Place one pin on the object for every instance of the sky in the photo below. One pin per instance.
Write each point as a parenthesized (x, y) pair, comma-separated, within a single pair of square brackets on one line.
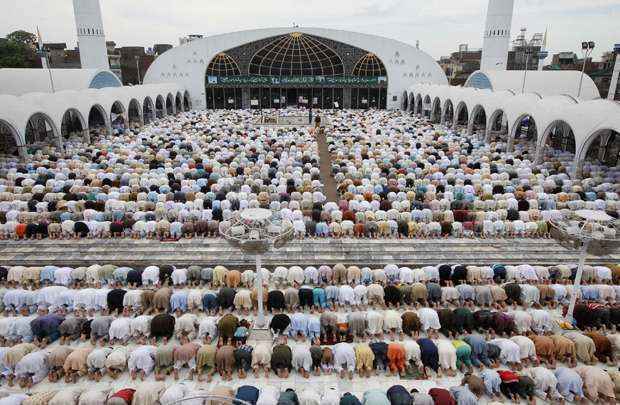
[(439, 25)]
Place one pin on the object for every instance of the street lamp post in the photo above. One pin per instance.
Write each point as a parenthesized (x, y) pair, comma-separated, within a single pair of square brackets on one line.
[(255, 231), (528, 53), (586, 49), (590, 232)]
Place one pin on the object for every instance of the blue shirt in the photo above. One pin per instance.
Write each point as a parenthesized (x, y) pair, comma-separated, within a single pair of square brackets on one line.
[(463, 395), (570, 383), (299, 322), (491, 380), (47, 274), (178, 300)]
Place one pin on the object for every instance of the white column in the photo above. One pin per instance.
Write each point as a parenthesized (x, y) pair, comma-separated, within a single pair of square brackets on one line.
[(573, 298), (260, 320)]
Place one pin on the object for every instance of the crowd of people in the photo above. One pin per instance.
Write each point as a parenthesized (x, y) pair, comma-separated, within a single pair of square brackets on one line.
[(397, 176), (500, 326), (498, 332)]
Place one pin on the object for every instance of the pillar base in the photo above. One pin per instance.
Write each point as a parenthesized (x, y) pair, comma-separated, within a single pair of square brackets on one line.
[(22, 152), (260, 335), (86, 136)]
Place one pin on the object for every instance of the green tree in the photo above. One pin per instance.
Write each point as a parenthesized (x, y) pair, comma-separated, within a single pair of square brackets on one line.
[(19, 50), (23, 37)]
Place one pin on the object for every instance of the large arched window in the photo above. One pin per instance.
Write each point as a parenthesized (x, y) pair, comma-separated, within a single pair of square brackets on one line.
[(296, 54), (223, 65), (369, 65)]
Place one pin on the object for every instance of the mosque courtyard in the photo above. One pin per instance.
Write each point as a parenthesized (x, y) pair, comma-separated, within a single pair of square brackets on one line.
[(417, 247)]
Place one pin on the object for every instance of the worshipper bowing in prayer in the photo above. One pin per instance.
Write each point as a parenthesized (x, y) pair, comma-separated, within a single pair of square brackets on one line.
[(364, 359), (32, 368), (570, 384), (184, 355), (116, 362), (227, 325), (597, 383), (75, 364), (141, 361), (56, 362), (281, 359), (205, 362), (225, 361), (95, 362)]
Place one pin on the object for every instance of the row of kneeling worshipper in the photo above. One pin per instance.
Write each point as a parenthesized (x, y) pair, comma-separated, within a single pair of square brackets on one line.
[(396, 176), (218, 276), (515, 327), (331, 327), (449, 281), (598, 305), (27, 366), (20, 315), (549, 385)]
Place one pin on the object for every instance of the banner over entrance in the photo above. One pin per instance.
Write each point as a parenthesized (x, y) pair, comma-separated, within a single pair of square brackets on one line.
[(323, 81)]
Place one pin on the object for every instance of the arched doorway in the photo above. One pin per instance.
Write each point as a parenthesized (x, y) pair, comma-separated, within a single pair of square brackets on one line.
[(117, 117), (557, 143), (478, 121), (40, 130), (498, 128), (72, 124), (178, 102), (524, 136), (148, 110), (448, 113), (96, 121), (426, 107), (600, 152), (160, 107), (405, 102), (134, 113), (187, 103), (436, 111), (169, 105), (462, 115), (411, 102), (418, 104), (8, 140)]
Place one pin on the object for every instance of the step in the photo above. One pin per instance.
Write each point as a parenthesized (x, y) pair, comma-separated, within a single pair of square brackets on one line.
[(211, 252)]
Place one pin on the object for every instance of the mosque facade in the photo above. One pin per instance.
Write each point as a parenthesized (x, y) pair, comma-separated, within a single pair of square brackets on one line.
[(311, 67)]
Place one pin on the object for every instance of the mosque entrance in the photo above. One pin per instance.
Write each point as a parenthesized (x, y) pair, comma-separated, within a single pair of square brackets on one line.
[(296, 70), (282, 97)]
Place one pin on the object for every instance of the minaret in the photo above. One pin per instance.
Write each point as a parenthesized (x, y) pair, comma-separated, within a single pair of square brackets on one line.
[(91, 37), (497, 35)]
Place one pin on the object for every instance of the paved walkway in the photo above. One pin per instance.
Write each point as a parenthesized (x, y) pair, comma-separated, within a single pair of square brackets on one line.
[(373, 253), (325, 161)]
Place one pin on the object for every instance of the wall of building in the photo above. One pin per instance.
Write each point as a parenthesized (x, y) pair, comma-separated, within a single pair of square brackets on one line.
[(187, 64)]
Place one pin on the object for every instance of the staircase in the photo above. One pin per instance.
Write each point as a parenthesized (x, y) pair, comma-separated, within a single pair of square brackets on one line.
[(361, 252)]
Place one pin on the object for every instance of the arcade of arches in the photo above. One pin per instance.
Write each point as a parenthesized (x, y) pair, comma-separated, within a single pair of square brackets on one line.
[(296, 70), (77, 125)]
